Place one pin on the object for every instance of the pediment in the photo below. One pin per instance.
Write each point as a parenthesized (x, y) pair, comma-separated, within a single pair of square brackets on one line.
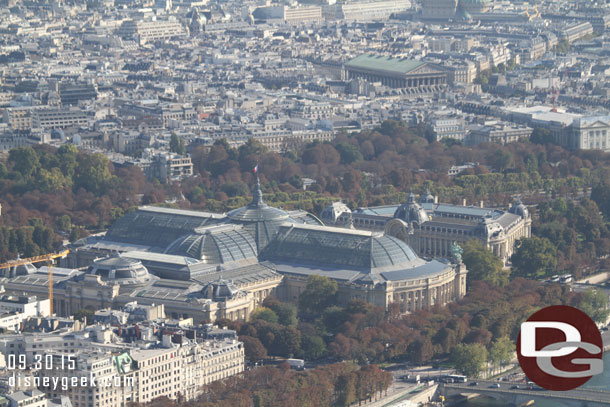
[(425, 69)]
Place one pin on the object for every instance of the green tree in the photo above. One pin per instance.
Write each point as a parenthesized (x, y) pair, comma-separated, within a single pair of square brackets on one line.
[(469, 358), (595, 304), (319, 294), (349, 153), (53, 180), (93, 173), (286, 312), (313, 347), (251, 147), (67, 159), (24, 160), (503, 159), (346, 389), (541, 136), (534, 257), (482, 264), (84, 313), (265, 314), (600, 193), (501, 351), (176, 144)]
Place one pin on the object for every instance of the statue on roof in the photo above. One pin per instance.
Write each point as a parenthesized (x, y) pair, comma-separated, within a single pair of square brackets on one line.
[(456, 252)]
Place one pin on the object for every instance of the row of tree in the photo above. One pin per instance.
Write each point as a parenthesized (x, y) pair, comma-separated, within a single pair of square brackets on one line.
[(335, 385), (67, 191), (490, 315)]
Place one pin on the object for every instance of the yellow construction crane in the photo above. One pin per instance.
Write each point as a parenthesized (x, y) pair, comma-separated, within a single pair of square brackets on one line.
[(37, 259)]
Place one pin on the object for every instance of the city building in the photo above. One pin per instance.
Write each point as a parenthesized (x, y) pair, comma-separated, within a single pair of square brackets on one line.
[(50, 118), (28, 398), (588, 133), (72, 93), (395, 73), (14, 310), (18, 118), (129, 363), (150, 31), (447, 126), (497, 132), (576, 31), (370, 10), (211, 266), (431, 228), (166, 167)]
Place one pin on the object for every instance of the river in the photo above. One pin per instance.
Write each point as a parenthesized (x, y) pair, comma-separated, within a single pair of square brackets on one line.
[(599, 382)]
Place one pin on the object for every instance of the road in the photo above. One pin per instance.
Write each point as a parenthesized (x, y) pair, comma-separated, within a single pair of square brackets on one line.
[(486, 387)]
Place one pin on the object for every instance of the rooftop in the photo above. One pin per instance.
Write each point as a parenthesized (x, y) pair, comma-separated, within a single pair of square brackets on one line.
[(382, 63)]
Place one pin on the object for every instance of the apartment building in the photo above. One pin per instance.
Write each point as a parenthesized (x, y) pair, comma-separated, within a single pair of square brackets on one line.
[(142, 375), (18, 118), (59, 118), (147, 31)]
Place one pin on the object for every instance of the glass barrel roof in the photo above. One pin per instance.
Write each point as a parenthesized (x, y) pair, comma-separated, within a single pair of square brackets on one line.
[(334, 247), (215, 245), (158, 227)]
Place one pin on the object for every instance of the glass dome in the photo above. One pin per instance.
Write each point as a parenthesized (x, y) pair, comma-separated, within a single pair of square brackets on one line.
[(121, 270), (216, 245), (259, 219)]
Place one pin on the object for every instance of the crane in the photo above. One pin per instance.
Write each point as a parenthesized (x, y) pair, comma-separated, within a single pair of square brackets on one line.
[(38, 259)]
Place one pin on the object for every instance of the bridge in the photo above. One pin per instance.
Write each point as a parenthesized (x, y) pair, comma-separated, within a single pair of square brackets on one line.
[(508, 391)]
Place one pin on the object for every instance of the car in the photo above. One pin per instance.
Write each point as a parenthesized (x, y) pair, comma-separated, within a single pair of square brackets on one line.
[(516, 386), (495, 386), (473, 384)]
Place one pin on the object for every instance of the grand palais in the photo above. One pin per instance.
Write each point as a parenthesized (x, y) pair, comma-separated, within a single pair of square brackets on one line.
[(210, 266)]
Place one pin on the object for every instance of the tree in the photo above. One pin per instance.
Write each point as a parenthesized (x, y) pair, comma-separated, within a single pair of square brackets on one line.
[(251, 147), (346, 389), (67, 159), (534, 257), (313, 347), (24, 160), (319, 294), (176, 144), (286, 313), (501, 351), (469, 358), (600, 193), (482, 264), (265, 314), (595, 304), (84, 313), (349, 153), (541, 136), (253, 348), (93, 173)]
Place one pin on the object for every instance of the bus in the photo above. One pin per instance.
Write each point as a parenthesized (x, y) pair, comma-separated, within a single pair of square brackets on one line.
[(455, 378)]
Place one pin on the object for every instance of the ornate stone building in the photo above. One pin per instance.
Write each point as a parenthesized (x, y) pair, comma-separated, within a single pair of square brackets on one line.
[(430, 228), (210, 266), (394, 72)]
